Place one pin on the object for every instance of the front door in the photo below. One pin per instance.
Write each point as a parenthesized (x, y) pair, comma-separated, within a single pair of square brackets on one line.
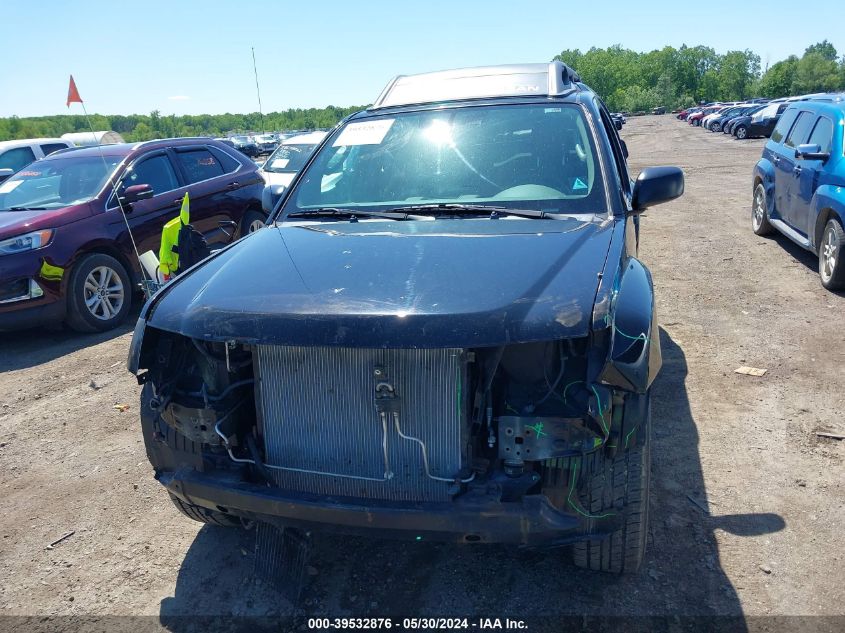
[(785, 166), (148, 217), (806, 176)]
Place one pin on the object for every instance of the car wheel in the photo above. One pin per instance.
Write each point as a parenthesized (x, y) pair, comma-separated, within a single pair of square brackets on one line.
[(618, 484), (741, 132), (715, 127), (252, 222), (204, 515), (760, 212), (99, 294), (831, 267)]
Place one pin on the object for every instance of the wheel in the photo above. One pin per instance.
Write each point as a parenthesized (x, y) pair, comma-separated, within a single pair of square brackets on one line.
[(831, 267), (252, 221), (620, 483), (759, 212), (203, 515), (741, 132), (715, 127), (99, 294)]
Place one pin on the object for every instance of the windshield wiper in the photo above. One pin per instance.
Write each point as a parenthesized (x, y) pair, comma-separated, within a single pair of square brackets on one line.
[(336, 211), (26, 209), (455, 207)]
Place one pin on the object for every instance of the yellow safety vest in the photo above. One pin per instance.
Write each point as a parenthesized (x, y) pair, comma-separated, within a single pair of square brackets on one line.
[(168, 254)]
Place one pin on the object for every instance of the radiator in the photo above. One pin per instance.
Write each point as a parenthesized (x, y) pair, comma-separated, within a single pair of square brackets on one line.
[(318, 413)]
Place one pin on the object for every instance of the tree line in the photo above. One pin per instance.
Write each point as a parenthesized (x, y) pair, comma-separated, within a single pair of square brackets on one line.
[(625, 79), (143, 127), (681, 77)]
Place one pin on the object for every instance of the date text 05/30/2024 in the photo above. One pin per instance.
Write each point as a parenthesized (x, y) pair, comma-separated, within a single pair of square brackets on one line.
[(414, 624)]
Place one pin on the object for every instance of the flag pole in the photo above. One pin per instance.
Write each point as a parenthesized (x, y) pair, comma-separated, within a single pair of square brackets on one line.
[(72, 92)]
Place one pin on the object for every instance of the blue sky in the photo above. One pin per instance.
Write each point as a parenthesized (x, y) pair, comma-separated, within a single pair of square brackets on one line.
[(191, 57)]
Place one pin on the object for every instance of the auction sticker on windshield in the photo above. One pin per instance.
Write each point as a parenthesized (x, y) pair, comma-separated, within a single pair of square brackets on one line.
[(364, 132)]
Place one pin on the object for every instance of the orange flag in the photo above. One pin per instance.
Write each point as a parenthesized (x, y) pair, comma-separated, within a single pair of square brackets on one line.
[(73, 93)]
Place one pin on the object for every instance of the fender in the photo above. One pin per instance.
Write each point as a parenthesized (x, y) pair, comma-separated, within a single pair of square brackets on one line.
[(764, 171), (828, 202), (634, 358)]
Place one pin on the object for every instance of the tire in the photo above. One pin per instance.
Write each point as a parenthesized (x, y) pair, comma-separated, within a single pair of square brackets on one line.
[(252, 221), (99, 294), (741, 132), (620, 483), (760, 212), (831, 252), (204, 516), (715, 127)]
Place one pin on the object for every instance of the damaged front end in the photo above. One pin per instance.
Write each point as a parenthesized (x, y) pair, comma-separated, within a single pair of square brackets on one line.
[(488, 444)]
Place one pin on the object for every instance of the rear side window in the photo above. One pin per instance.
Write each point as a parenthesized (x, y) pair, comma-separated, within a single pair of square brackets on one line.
[(199, 164), (801, 130), (155, 171), (822, 134), (783, 125), (16, 158), (49, 148), (228, 163)]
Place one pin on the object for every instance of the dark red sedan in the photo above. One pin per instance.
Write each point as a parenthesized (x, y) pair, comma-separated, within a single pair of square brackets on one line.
[(65, 251)]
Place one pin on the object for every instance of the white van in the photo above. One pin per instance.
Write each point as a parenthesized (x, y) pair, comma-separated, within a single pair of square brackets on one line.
[(15, 155)]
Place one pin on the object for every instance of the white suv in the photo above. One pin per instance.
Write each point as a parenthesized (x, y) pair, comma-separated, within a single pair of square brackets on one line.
[(15, 155)]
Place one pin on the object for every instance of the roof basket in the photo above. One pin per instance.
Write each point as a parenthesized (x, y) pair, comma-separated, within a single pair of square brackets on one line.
[(514, 80)]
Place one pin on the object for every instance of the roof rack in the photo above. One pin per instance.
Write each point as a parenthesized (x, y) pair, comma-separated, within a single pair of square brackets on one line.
[(512, 80)]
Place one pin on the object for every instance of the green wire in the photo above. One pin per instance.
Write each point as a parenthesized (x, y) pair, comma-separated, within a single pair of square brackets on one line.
[(640, 337), (566, 388), (601, 413), (627, 437), (573, 504)]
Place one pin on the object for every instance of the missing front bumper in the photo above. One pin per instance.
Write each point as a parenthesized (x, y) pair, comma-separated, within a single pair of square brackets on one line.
[(474, 517)]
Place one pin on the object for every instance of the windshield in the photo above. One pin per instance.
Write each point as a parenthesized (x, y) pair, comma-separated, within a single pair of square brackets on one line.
[(288, 158), (57, 182), (240, 139), (517, 156)]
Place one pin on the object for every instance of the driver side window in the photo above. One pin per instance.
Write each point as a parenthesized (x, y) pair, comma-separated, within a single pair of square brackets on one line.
[(155, 171)]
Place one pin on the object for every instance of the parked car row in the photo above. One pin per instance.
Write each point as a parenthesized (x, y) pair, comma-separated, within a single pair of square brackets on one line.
[(750, 119)]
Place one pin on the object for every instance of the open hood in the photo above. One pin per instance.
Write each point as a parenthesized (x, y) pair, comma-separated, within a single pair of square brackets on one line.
[(444, 283)]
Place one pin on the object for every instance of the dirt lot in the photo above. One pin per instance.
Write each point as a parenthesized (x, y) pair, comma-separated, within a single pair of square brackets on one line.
[(747, 510)]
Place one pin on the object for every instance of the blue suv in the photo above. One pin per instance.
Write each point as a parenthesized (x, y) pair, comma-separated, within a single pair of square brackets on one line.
[(798, 184)]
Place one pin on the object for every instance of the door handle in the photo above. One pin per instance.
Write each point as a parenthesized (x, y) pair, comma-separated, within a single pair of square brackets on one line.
[(777, 160), (797, 170), (233, 185), (178, 201)]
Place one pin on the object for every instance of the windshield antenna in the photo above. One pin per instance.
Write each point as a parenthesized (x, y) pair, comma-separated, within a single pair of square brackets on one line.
[(258, 91)]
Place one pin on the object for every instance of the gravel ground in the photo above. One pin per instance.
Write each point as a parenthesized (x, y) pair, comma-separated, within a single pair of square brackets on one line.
[(747, 505)]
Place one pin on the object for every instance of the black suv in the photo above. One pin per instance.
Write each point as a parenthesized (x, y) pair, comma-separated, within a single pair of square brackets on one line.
[(444, 333)]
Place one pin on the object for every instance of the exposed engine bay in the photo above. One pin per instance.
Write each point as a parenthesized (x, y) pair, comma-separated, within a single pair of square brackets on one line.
[(397, 425)]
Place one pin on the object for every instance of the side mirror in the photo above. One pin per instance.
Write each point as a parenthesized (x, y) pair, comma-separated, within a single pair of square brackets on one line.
[(134, 193), (809, 151), (270, 196), (655, 185), (5, 173), (618, 124), (624, 148)]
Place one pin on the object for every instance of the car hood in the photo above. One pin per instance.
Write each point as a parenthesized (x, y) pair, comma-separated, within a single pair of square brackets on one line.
[(445, 283), (14, 223)]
